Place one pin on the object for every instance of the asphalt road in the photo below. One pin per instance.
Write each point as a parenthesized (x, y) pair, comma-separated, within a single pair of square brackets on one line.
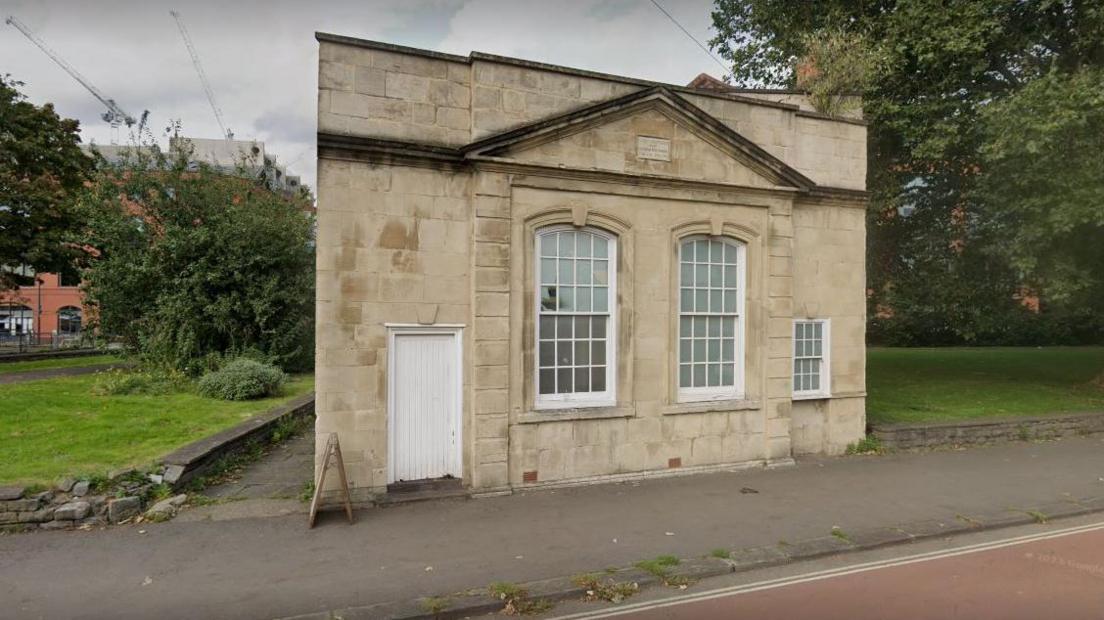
[(1056, 574)]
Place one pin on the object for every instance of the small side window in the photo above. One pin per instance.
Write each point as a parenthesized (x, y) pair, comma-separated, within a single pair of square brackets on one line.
[(811, 359)]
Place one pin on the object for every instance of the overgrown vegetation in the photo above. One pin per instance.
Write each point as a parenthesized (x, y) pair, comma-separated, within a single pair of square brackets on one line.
[(186, 262), (242, 379), (516, 600), (721, 553), (605, 588), (123, 382), (867, 445)]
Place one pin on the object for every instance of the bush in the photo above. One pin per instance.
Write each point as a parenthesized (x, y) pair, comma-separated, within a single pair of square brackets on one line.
[(242, 379), (119, 382)]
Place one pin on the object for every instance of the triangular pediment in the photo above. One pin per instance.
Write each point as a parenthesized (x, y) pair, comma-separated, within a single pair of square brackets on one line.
[(651, 132)]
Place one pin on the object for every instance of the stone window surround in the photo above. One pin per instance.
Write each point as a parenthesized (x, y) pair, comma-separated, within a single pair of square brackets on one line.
[(579, 216), (825, 391)]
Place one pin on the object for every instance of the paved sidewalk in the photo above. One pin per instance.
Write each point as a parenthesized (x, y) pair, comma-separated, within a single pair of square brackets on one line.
[(266, 567)]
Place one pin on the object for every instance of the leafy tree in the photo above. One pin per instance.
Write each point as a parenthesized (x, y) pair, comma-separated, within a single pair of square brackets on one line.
[(41, 167), (1043, 187), (946, 64), (190, 263)]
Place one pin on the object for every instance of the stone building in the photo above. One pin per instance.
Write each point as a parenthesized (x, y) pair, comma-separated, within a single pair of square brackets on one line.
[(531, 275)]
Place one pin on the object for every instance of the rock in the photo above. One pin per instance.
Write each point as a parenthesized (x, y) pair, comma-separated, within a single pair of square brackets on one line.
[(45, 497), (124, 508), (9, 517), (80, 489), (21, 505), (9, 493), (72, 511), (66, 485), (156, 478), (56, 525), (172, 474), (166, 508), (38, 516)]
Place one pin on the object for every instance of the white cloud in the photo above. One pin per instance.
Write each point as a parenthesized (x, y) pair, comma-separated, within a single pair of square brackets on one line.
[(261, 56)]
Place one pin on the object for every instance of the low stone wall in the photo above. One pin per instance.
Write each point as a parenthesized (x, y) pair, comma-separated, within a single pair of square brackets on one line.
[(905, 436), (71, 504), (192, 460)]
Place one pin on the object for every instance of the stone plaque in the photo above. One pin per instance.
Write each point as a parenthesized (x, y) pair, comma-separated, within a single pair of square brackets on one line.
[(653, 148)]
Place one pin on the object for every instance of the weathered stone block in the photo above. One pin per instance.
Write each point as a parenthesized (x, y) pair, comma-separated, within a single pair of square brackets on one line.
[(73, 511), (124, 508)]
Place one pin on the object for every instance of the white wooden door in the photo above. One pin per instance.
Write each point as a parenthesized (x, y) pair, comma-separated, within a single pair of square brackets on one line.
[(424, 404)]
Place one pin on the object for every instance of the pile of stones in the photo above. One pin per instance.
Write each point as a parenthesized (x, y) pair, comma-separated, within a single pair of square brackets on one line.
[(71, 504)]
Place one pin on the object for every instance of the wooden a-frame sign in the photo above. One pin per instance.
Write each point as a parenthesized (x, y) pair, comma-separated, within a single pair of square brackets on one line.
[(333, 457)]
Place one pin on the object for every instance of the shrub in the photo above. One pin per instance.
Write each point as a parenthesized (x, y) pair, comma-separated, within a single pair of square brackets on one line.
[(119, 382), (242, 379)]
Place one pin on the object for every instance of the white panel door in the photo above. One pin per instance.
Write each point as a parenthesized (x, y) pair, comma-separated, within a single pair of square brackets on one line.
[(424, 405)]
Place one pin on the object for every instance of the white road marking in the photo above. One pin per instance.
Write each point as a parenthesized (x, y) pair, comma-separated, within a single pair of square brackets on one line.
[(828, 573)]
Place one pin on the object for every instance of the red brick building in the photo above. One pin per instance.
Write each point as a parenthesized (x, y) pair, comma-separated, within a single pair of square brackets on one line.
[(51, 305)]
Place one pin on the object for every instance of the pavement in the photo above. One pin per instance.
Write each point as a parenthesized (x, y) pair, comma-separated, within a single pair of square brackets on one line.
[(53, 373), (219, 566)]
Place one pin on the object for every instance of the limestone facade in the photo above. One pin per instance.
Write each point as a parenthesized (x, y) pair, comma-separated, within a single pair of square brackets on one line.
[(437, 176)]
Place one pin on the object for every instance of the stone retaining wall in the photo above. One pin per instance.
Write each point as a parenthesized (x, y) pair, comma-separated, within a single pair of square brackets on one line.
[(905, 436)]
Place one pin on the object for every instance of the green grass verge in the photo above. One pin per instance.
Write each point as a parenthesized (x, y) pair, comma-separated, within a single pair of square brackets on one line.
[(943, 385), (64, 362), (57, 427)]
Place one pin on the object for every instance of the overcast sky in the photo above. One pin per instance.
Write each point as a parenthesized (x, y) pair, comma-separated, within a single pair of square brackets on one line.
[(261, 56)]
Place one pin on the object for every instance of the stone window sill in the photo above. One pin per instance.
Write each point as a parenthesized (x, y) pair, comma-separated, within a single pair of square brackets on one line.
[(578, 413), (711, 406)]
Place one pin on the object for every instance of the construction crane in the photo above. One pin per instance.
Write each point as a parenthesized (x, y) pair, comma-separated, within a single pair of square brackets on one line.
[(202, 75), (114, 115)]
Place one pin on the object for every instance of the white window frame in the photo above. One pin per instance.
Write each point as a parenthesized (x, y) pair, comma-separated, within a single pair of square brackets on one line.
[(727, 392), (825, 390), (608, 398)]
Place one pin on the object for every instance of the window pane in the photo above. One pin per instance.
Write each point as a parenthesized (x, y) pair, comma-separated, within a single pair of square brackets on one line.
[(715, 276), (547, 381), (598, 379), (567, 244), (685, 371), (601, 249), (598, 352), (728, 350), (728, 375), (582, 327), (548, 244), (548, 271), (715, 301), (686, 274), (598, 325), (686, 348), (567, 271), (563, 381), (582, 272), (563, 327), (685, 323), (701, 300), (548, 353), (564, 353), (818, 346), (714, 351), (686, 300), (699, 350), (601, 299), (714, 329), (548, 298), (701, 276), (729, 254), (582, 299), (601, 272), (583, 245), (701, 251), (700, 323), (699, 375), (730, 278), (582, 379), (582, 352), (729, 302), (567, 299), (715, 251), (713, 376), (547, 328)]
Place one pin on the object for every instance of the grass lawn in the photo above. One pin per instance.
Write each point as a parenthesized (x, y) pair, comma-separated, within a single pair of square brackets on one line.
[(56, 427), (940, 385), (65, 362)]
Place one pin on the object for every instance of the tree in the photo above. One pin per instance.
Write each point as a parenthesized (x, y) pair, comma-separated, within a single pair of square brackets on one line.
[(946, 64), (188, 262), (41, 168)]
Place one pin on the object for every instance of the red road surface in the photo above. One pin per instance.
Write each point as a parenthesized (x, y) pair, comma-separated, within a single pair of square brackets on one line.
[(1052, 579)]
